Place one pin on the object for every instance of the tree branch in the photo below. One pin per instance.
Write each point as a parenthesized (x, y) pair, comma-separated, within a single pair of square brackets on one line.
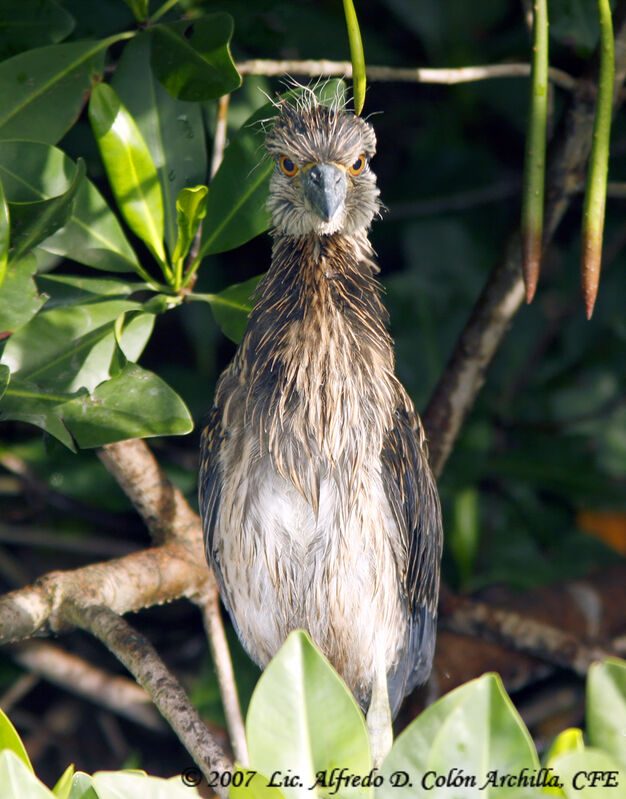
[(343, 69), (141, 659)]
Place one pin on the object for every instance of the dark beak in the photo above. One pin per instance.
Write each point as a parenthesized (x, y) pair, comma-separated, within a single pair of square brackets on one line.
[(324, 187)]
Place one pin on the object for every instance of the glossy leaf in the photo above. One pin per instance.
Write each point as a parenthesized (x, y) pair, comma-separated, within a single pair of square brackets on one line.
[(75, 290), (476, 729), (67, 348), (5, 376), (232, 307), (17, 780), (192, 58), (19, 298), (606, 707), (33, 171), (133, 404), (254, 786), (92, 235), (570, 740), (583, 774), (27, 24), (139, 8), (190, 210), (129, 167), (64, 785), (43, 90), (303, 719), (125, 785), (236, 209), (11, 741), (172, 129), (82, 787), (34, 222), (5, 229)]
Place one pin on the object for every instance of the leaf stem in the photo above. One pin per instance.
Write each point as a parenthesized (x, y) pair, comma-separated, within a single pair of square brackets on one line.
[(535, 155), (595, 195), (356, 55), (160, 12)]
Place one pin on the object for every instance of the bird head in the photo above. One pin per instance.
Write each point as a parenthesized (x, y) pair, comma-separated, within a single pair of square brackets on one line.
[(322, 182)]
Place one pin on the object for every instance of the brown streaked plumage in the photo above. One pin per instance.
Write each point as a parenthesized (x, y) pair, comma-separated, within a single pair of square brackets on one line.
[(319, 508)]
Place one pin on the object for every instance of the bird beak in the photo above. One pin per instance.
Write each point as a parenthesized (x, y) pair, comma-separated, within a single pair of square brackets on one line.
[(324, 187)]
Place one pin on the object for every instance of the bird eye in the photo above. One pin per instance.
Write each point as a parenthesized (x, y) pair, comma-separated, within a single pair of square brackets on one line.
[(358, 166), (288, 166)]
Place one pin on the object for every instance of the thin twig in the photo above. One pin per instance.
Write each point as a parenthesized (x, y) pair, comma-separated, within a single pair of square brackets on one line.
[(74, 674), (343, 69), (210, 607), (141, 659)]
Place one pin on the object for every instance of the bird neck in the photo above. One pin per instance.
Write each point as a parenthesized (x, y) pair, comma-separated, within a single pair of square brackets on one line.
[(316, 357)]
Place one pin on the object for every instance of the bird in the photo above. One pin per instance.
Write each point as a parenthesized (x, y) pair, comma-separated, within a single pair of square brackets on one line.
[(319, 507)]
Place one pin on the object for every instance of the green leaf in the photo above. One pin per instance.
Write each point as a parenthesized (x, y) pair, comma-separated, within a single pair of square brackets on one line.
[(133, 404), (129, 167), (67, 347), (63, 787), (19, 299), (570, 740), (33, 222), (232, 307), (236, 209), (465, 532), (173, 130), (32, 23), (5, 376), (303, 719), (17, 780), (190, 210), (192, 58), (606, 707), (5, 229), (11, 741), (33, 171), (356, 55), (126, 785), (82, 787), (591, 774), (92, 235), (254, 786), (73, 290), (474, 728), (43, 90), (139, 8)]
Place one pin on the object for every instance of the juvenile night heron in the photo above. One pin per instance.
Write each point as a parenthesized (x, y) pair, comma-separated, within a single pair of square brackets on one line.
[(319, 507)]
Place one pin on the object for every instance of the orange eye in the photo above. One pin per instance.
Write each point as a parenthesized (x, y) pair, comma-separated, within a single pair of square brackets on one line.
[(358, 166), (288, 166)]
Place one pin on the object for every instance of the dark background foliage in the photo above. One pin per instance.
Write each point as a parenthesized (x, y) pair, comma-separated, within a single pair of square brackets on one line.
[(543, 453)]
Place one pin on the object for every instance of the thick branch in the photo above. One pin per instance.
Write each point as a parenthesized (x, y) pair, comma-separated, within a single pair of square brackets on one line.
[(503, 294)]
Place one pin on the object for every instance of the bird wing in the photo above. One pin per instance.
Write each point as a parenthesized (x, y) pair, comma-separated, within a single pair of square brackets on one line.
[(210, 483), (412, 495)]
